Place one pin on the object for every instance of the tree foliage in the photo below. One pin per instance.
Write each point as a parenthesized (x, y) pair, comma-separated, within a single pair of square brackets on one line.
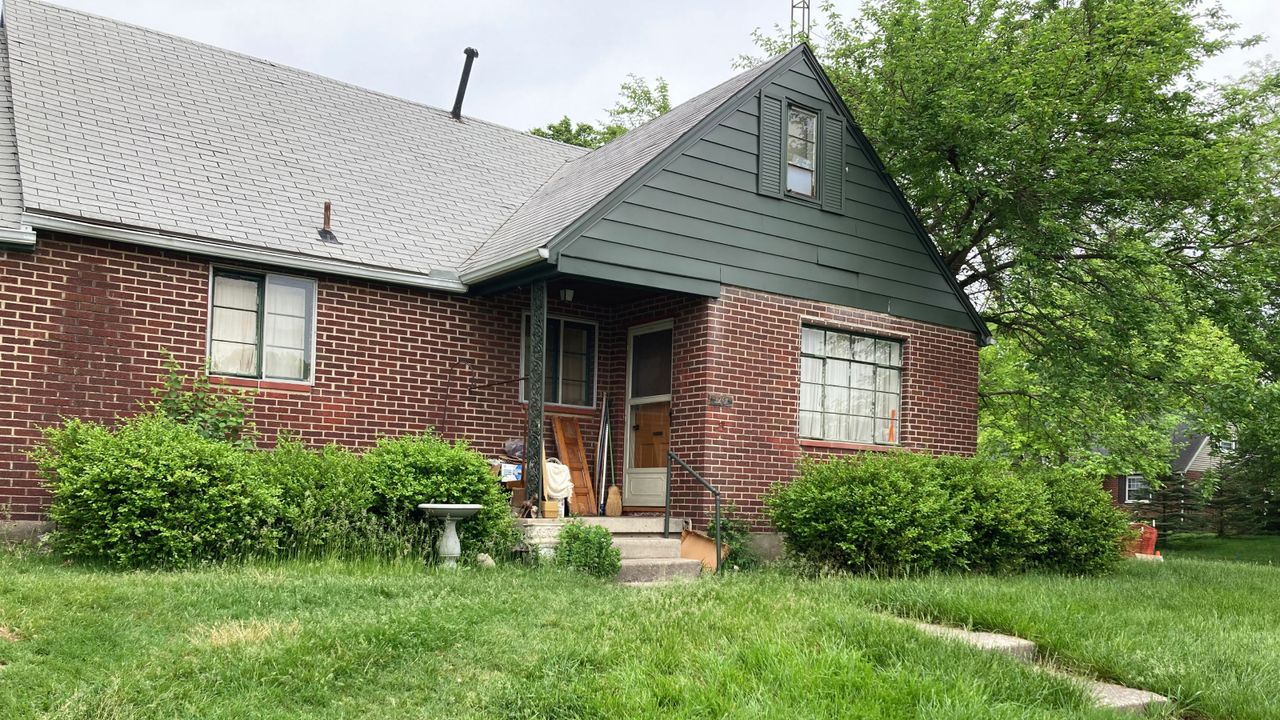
[(1113, 216), (637, 104)]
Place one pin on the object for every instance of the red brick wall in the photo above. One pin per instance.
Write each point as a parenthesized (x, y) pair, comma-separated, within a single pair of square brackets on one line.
[(752, 354), (84, 324)]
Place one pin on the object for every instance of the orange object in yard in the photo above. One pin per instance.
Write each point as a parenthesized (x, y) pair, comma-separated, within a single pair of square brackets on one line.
[(1145, 543)]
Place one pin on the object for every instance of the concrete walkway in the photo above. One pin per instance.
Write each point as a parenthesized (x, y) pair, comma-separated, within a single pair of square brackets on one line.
[(1107, 695)]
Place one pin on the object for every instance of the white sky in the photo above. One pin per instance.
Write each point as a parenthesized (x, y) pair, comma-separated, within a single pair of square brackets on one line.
[(539, 59)]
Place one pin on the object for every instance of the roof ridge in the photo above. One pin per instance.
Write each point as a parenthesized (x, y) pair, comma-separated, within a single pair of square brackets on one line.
[(272, 63)]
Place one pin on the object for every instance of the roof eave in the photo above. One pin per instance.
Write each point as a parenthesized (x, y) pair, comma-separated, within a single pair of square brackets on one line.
[(504, 266), (241, 253)]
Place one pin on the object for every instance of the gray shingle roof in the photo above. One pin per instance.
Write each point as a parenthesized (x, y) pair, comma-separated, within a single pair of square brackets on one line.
[(580, 185), (124, 126), (10, 181), (121, 125)]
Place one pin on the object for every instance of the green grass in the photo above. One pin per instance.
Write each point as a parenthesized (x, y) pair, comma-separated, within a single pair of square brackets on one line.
[(1205, 633), (1260, 549), (350, 640), (331, 640)]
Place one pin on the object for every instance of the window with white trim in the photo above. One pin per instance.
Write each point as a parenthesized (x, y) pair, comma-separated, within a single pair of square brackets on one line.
[(1137, 489), (570, 364), (261, 325), (850, 387), (802, 152)]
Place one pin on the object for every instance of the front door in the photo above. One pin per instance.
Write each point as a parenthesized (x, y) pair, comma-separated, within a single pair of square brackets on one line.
[(648, 415)]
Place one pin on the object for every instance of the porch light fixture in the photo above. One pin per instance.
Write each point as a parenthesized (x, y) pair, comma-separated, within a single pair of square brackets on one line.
[(566, 294)]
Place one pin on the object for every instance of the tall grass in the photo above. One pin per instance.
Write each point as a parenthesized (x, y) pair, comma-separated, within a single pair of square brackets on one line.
[(332, 639)]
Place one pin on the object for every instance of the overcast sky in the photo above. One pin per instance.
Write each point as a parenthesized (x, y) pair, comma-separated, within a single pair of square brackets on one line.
[(539, 59)]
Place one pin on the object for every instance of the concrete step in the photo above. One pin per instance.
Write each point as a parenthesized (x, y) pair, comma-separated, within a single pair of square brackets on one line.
[(1016, 647), (651, 569), (1118, 697), (631, 524), (647, 546), (1103, 694)]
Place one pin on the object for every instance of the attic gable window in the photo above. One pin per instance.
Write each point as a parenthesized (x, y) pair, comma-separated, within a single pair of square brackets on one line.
[(261, 325), (802, 152)]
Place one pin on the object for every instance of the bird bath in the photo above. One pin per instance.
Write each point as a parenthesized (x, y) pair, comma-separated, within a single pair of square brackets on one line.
[(449, 548)]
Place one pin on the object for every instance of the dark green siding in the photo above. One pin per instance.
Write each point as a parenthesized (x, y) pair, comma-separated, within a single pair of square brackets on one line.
[(709, 217)]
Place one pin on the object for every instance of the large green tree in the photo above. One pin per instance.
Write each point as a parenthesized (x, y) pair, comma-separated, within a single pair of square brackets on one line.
[(637, 104), (1113, 216)]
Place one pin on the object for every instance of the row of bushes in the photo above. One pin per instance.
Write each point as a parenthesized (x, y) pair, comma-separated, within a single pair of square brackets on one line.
[(903, 512), (158, 490)]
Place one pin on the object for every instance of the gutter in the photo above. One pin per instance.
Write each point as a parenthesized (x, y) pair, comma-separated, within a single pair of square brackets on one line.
[(524, 259), (24, 237), (228, 251)]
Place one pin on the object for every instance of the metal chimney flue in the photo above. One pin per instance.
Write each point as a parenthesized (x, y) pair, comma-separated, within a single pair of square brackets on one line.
[(471, 54)]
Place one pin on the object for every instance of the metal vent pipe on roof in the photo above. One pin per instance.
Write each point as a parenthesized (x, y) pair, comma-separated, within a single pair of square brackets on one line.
[(471, 54)]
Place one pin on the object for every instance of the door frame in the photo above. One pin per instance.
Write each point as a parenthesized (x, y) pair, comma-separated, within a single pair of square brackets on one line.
[(629, 402)]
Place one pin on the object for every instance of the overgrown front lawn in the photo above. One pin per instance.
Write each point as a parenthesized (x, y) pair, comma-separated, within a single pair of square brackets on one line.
[(350, 641), (1202, 632), (1261, 549)]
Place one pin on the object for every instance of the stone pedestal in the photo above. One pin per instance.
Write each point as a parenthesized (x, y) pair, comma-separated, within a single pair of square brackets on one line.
[(543, 534)]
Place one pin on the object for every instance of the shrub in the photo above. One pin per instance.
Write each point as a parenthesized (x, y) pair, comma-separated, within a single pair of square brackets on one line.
[(1087, 533), (152, 492), (1004, 513), (325, 496), (588, 548), (406, 471), (885, 512), (214, 413), (904, 512)]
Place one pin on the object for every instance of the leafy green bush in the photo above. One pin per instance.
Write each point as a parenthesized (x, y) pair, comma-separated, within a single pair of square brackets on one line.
[(906, 512), (152, 492), (406, 471), (588, 548), (325, 496), (214, 413), (1004, 513), (885, 512), (1086, 533)]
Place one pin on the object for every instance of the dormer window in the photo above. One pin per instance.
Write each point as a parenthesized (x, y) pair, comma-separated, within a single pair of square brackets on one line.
[(802, 152)]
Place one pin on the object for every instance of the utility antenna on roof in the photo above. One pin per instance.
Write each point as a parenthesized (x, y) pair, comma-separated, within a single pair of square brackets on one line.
[(801, 8)]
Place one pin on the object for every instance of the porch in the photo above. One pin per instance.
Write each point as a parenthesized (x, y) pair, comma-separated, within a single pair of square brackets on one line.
[(621, 369)]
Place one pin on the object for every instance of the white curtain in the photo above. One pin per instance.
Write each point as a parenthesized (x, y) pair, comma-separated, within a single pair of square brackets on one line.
[(286, 330), (234, 333)]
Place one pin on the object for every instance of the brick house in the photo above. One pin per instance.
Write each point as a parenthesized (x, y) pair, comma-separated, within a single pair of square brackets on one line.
[(741, 277)]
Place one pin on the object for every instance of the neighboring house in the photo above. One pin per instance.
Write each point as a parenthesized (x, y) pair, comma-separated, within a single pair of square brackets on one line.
[(740, 276), (1197, 454)]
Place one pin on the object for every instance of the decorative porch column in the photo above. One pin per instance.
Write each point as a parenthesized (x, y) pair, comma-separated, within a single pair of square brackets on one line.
[(535, 388)]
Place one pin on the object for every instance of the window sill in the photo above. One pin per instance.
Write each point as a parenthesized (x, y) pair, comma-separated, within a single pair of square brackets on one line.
[(298, 386), (836, 445)]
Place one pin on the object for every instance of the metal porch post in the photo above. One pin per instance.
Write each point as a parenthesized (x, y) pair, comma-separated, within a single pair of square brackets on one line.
[(535, 387)]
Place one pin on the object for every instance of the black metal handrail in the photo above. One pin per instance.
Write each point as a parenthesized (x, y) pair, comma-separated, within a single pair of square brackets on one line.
[(715, 493)]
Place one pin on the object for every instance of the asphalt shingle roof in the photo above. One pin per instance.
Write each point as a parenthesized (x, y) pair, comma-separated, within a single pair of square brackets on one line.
[(122, 125), (125, 126), (10, 180)]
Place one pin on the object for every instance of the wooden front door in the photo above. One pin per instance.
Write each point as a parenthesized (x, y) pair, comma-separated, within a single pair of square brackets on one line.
[(649, 363)]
